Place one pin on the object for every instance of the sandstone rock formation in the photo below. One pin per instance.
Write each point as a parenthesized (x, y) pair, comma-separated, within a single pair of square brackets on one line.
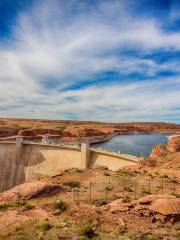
[(118, 206), (174, 143), (31, 190), (78, 131), (159, 150), (156, 207)]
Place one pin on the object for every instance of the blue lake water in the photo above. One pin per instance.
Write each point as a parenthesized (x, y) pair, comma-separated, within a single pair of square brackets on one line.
[(138, 145)]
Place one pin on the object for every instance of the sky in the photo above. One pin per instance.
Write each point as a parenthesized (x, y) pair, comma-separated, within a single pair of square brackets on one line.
[(110, 60)]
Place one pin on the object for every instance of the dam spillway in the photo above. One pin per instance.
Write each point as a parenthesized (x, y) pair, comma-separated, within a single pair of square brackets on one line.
[(24, 161)]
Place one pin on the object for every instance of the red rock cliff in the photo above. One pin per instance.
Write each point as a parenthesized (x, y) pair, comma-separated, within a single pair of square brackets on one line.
[(174, 143)]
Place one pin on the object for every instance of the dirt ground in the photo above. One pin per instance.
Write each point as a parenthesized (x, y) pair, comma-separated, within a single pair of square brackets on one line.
[(37, 218)]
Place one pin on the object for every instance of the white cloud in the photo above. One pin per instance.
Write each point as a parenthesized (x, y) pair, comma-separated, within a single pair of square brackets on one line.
[(68, 43)]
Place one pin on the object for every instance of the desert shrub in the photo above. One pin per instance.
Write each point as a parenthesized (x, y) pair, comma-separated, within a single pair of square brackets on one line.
[(27, 207), (20, 236), (128, 189), (125, 172), (165, 176), (87, 230), (174, 180), (109, 188), (100, 203), (121, 229), (107, 174), (146, 236), (4, 206), (79, 170), (126, 199), (44, 225), (145, 192), (72, 184), (61, 205), (175, 194), (20, 203)]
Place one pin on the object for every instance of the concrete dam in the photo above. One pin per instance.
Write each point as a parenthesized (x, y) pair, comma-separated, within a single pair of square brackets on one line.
[(22, 161)]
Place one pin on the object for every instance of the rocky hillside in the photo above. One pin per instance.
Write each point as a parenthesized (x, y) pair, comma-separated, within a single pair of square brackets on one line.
[(77, 131), (61, 207), (165, 155)]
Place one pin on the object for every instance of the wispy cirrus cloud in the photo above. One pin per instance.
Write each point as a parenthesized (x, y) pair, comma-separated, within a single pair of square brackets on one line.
[(59, 44)]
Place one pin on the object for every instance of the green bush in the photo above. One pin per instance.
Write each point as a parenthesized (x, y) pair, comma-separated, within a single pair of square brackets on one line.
[(20, 203), (4, 206), (61, 205), (176, 195), (44, 225), (87, 230)]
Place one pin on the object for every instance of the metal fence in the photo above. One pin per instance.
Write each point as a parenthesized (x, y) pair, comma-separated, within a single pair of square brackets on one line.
[(127, 188)]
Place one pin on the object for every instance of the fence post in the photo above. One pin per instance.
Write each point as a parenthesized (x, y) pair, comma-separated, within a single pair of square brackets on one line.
[(74, 194), (90, 191), (38, 187), (106, 189), (123, 183), (149, 186), (135, 188), (174, 186), (162, 185)]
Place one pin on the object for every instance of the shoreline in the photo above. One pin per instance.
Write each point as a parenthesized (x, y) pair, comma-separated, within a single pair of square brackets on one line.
[(130, 134)]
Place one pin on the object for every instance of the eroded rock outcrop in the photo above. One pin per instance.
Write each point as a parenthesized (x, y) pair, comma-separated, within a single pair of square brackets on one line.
[(156, 207), (174, 143), (159, 150), (31, 190)]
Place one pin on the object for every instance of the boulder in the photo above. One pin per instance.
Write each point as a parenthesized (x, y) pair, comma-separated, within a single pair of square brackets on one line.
[(159, 207), (31, 190), (150, 198), (118, 206), (166, 206)]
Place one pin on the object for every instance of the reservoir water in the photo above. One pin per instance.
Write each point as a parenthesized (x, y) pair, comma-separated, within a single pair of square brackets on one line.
[(138, 145)]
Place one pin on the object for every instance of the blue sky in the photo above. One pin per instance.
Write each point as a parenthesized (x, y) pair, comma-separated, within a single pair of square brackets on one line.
[(111, 60)]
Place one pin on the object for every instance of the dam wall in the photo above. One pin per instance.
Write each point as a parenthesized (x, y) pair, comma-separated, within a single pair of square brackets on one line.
[(112, 160), (24, 161)]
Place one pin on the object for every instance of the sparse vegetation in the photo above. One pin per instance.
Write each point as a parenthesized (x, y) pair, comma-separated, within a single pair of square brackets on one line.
[(121, 229), (99, 203), (72, 184), (87, 230), (145, 236), (126, 199), (176, 194), (20, 203), (107, 174), (60, 205), (165, 176), (27, 207), (4, 206), (125, 172), (145, 192), (128, 189), (44, 226)]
